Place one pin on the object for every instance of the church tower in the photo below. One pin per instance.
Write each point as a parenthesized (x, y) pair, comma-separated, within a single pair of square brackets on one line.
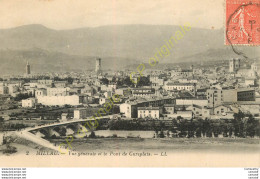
[(234, 65), (28, 68), (98, 65)]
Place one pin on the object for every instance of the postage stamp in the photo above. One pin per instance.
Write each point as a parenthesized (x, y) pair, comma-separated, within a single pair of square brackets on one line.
[(242, 22)]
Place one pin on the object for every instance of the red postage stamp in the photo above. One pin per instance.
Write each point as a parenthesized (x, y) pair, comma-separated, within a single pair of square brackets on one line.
[(242, 22)]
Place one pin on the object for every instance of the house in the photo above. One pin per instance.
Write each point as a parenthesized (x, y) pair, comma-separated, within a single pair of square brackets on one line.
[(169, 108), (40, 92), (29, 103), (179, 86), (197, 110), (185, 114), (150, 112), (206, 112), (221, 110), (3, 89), (143, 92), (57, 91), (123, 92), (129, 110), (60, 84), (5, 117), (80, 113), (64, 116), (103, 100), (88, 91)]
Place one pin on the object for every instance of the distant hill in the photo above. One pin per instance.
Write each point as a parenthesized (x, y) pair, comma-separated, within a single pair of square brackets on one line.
[(117, 45), (14, 61)]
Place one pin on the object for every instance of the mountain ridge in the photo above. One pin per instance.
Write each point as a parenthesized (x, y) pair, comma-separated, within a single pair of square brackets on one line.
[(117, 45)]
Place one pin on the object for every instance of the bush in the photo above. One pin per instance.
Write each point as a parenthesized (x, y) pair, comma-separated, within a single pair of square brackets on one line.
[(92, 135), (114, 136), (10, 149)]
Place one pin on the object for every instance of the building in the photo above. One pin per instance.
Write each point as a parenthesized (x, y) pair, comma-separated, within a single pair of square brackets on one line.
[(28, 68), (193, 101), (223, 110), (60, 84), (254, 67), (57, 91), (143, 92), (45, 82), (150, 112), (234, 65), (3, 89), (185, 114), (98, 65), (64, 116), (28, 103), (123, 92), (179, 86), (103, 100), (40, 92), (12, 88), (197, 110), (168, 109), (129, 108), (80, 113), (217, 97), (73, 100), (246, 95)]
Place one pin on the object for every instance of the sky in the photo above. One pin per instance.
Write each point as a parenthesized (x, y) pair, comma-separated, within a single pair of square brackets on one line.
[(70, 14)]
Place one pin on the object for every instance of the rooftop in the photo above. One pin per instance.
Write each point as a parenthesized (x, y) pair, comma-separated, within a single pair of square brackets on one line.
[(148, 108)]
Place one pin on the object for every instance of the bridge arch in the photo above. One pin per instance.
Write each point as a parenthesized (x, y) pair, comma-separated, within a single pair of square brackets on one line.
[(45, 132)]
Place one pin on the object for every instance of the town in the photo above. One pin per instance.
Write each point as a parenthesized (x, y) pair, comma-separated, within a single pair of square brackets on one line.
[(210, 99)]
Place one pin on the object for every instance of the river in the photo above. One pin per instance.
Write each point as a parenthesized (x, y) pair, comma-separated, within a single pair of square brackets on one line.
[(144, 141)]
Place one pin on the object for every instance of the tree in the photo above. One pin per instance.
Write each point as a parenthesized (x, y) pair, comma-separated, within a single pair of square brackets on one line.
[(251, 126), (205, 126), (161, 134), (92, 135), (144, 81), (22, 96), (162, 125), (239, 124), (104, 81), (191, 129)]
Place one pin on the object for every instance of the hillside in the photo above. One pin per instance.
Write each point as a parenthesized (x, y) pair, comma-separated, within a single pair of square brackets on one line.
[(118, 46)]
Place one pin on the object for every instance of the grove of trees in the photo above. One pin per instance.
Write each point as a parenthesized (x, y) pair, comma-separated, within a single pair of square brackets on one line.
[(238, 127)]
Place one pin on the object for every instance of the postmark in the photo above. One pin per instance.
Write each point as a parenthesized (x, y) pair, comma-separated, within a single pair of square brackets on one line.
[(242, 22)]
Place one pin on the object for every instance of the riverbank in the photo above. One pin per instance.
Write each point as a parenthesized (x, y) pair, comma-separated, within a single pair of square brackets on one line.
[(26, 143), (20, 146), (170, 145)]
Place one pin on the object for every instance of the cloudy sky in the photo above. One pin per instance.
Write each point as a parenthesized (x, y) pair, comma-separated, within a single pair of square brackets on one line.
[(69, 14)]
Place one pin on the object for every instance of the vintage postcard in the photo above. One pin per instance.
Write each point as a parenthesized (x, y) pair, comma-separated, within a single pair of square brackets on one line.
[(109, 83)]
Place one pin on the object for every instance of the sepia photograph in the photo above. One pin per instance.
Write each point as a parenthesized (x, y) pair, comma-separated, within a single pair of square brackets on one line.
[(153, 83)]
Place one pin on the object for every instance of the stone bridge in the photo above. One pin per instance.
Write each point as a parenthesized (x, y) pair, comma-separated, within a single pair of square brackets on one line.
[(71, 127)]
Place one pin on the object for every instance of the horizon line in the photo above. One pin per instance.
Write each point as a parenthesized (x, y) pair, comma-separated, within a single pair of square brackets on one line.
[(93, 27)]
